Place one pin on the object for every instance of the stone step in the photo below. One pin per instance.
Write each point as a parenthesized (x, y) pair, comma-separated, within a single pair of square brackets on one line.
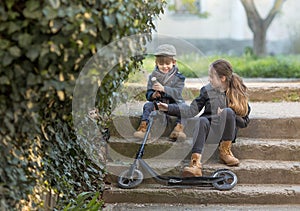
[(270, 90), (248, 172), (244, 148), (285, 128), (252, 171), (258, 94), (267, 160), (268, 120), (260, 89), (197, 207), (267, 149), (279, 194)]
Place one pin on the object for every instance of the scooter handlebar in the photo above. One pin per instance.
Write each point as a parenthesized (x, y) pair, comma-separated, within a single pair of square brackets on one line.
[(155, 105)]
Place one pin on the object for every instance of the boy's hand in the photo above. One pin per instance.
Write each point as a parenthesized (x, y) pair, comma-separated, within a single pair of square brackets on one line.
[(162, 106), (158, 87)]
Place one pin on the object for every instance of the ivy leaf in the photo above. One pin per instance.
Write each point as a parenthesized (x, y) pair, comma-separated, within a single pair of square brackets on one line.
[(24, 40), (32, 15), (32, 10), (50, 13), (13, 27), (9, 4), (15, 51), (33, 53), (110, 21), (121, 20), (105, 35), (86, 176), (32, 5), (7, 59), (4, 43), (54, 3), (4, 80)]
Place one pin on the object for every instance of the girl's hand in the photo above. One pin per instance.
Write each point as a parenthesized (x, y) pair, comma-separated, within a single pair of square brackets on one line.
[(162, 106), (220, 111)]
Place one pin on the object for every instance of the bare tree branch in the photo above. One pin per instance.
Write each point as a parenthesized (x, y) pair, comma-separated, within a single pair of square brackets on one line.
[(273, 12), (253, 16)]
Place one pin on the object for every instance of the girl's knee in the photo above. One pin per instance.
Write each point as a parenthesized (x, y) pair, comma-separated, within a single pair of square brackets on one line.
[(203, 122), (230, 114), (228, 110)]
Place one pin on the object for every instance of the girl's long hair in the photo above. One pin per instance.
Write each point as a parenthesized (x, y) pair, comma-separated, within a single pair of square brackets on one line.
[(237, 92), (237, 95)]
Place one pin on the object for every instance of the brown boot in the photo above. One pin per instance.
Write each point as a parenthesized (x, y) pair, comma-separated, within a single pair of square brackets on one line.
[(141, 131), (177, 133), (194, 169), (226, 154)]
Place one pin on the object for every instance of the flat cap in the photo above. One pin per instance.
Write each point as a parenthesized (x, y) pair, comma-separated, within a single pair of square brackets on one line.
[(165, 50)]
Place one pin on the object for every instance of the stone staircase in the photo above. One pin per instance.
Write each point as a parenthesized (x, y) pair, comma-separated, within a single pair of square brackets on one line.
[(269, 151)]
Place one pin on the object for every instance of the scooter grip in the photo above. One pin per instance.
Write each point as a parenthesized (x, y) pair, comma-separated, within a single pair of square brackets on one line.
[(155, 105)]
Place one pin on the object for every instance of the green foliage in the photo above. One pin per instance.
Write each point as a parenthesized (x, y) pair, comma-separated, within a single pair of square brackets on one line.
[(43, 46), (188, 7), (267, 67), (251, 66), (66, 165), (248, 65), (82, 202)]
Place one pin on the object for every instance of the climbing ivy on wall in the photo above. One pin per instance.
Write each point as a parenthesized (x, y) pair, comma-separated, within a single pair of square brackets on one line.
[(43, 46)]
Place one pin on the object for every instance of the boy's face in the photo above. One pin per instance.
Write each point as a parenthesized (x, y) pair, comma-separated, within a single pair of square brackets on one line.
[(165, 64)]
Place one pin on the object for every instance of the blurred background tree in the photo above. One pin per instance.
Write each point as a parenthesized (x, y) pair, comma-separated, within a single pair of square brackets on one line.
[(258, 25)]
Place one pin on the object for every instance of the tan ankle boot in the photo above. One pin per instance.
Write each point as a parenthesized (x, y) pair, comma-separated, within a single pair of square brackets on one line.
[(226, 154), (194, 169), (141, 131), (178, 133)]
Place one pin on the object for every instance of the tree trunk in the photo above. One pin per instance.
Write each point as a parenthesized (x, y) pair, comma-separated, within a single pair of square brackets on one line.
[(260, 41), (258, 25)]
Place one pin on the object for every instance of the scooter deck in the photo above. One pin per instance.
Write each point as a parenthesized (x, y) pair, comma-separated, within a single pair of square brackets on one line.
[(192, 180)]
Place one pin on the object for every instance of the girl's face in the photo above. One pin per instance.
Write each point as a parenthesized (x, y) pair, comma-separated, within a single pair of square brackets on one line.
[(165, 64), (214, 79)]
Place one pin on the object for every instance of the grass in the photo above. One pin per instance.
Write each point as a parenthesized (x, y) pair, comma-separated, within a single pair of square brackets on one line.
[(195, 66)]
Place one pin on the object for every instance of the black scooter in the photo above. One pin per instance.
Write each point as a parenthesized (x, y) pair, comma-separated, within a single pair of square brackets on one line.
[(222, 179)]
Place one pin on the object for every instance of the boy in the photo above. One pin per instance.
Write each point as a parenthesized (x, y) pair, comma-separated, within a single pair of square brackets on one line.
[(165, 84)]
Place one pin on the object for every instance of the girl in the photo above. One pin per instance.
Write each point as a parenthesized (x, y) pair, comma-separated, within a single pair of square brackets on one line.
[(225, 103)]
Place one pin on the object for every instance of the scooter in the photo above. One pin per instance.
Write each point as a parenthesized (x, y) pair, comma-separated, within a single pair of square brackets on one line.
[(222, 179)]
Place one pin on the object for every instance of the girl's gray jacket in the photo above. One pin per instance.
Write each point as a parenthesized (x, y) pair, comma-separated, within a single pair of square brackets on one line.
[(173, 91), (210, 99)]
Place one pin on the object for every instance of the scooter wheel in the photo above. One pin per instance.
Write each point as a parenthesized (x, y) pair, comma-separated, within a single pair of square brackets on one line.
[(229, 179), (127, 181)]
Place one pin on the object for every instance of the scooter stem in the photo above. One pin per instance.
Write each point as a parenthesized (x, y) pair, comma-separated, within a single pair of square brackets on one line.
[(140, 152)]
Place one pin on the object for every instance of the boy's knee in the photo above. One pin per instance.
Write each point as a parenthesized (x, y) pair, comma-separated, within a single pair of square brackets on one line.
[(148, 106)]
